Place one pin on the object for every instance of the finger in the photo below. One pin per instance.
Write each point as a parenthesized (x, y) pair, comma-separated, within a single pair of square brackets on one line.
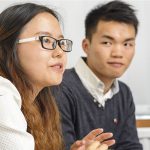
[(103, 136), (77, 144), (109, 142), (103, 147), (80, 142), (93, 134), (93, 146)]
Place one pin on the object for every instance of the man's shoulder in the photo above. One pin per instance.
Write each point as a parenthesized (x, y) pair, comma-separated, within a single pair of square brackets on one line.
[(69, 72), (70, 76), (69, 82), (124, 91), (123, 86)]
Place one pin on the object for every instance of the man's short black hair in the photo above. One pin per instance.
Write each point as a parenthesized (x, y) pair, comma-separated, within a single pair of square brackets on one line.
[(112, 11)]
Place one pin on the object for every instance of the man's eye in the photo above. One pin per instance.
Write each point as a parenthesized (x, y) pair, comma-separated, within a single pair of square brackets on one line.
[(106, 43), (128, 44)]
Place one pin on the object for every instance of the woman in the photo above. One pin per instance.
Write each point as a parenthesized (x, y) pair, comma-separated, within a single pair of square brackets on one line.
[(32, 57)]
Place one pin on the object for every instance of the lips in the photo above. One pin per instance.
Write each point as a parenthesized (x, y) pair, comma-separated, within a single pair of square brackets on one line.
[(116, 64), (58, 67)]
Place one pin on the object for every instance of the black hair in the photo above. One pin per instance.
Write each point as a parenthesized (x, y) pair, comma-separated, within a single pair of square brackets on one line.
[(116, 10)]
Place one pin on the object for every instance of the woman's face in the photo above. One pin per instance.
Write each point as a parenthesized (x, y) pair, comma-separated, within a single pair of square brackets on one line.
[(42, 67)]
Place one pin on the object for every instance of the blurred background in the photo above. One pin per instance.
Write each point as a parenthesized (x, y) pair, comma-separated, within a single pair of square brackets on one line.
[(73, 14)]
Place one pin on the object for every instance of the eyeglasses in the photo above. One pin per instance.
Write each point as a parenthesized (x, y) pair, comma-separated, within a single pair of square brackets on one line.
[(50, 43)]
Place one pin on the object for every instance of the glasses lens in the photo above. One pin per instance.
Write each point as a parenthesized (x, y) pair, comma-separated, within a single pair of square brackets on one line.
[(49, 43), (65, 45)]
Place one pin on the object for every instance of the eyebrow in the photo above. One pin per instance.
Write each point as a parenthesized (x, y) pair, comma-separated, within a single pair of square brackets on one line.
[(130, 39), (111, 38), (48, 34)]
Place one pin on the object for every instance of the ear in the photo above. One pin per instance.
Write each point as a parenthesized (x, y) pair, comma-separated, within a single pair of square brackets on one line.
[(85, 45)]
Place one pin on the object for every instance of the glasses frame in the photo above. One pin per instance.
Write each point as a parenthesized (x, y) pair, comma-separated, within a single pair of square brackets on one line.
[(40, 38)]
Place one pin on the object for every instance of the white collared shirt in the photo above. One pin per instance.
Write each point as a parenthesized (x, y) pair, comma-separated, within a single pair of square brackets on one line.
[(13, 125), (93, 84)]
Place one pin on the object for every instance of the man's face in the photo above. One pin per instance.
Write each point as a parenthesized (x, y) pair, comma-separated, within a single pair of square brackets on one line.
[(111, 49)]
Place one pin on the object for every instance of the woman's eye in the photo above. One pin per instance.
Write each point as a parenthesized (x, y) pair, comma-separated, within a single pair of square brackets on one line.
[(46, 40)]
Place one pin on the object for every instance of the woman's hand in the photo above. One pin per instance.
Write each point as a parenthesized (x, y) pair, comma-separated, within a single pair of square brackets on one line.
[(93, 145), (96, 146), (92, 138), (98, 135)]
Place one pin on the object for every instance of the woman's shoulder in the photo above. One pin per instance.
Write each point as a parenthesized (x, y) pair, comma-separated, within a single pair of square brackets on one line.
[(7, 89), (13, 125), (11, 115)]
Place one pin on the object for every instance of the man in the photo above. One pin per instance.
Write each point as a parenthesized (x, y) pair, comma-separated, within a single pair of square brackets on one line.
[(90, 95)]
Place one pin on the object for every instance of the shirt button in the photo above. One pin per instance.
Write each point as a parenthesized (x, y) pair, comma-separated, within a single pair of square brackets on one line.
[(99, 105), (94, 100)]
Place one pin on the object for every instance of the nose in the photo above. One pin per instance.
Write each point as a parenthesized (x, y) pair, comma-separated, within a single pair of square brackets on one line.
[(117, 51), (58, 52)]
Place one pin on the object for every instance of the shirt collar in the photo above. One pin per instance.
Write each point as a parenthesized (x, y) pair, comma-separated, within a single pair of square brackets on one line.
[(85, 73), (93, 83)]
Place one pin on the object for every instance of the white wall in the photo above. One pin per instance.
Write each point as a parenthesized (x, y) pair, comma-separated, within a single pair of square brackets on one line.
[(74, 12)]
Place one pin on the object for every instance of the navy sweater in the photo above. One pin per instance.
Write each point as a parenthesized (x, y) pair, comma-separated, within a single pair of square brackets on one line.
[(80, 114)]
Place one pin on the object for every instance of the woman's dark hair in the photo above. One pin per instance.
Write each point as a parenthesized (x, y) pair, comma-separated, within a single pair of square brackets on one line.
[(42, 115), (112, 11)]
